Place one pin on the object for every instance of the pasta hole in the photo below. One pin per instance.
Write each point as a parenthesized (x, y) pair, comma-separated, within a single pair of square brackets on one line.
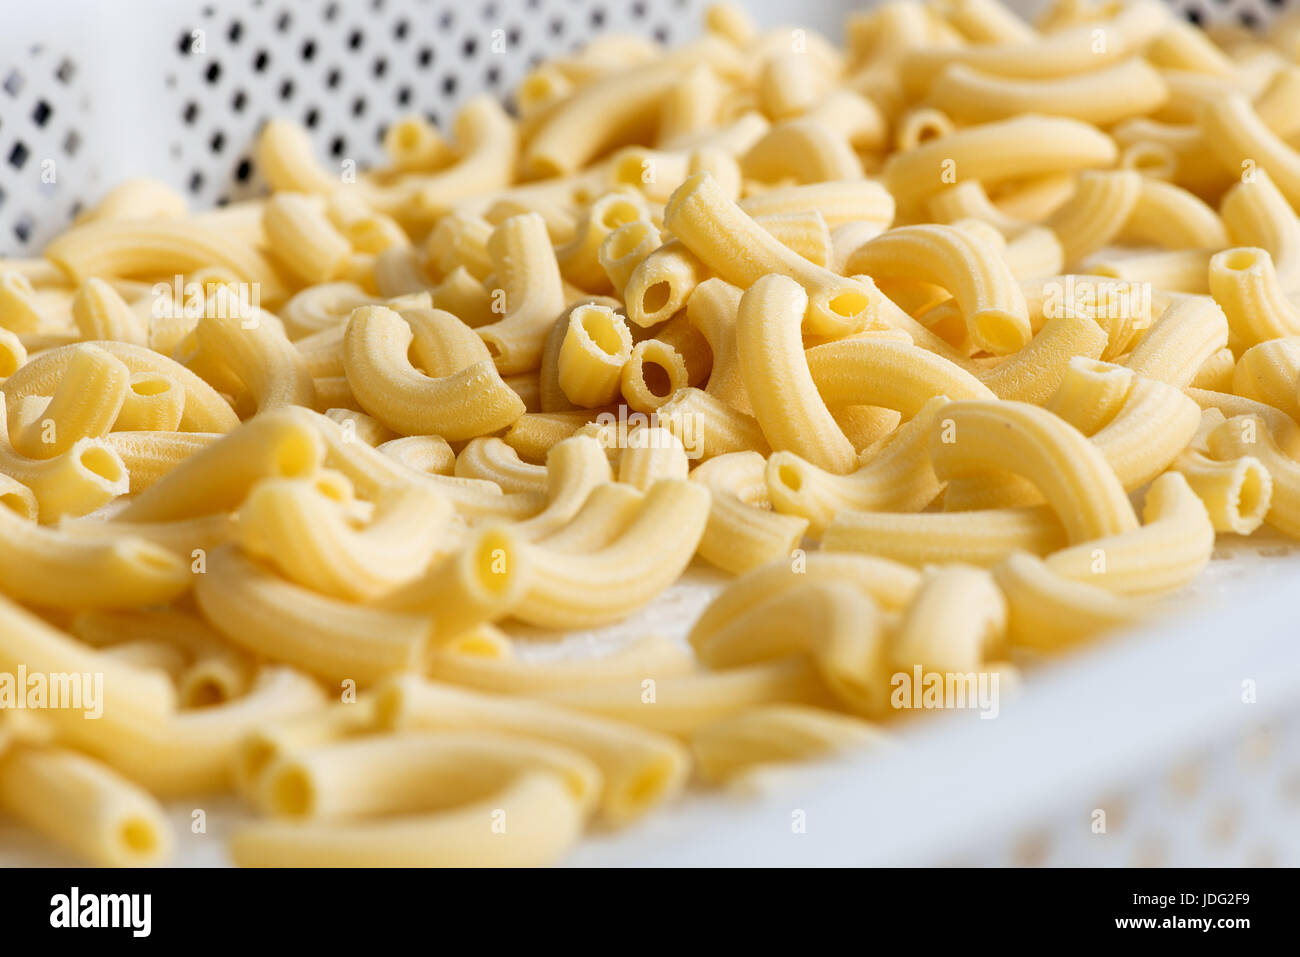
[(254, 757), (1239, 259), (296, 456), (150, 386), (103, 463), (657, 379), (292, 793), (999, 331), (16, 502), (619, 214), (205, 693), (848, 303), (655, 298), (602, 333), (138, 836), (790, 477), (1252, 497)]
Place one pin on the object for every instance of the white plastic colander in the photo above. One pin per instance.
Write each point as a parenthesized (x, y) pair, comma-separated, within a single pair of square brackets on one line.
[(1184, 736)]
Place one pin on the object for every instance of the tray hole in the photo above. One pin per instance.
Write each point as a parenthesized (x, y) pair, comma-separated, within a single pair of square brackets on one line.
[(13, 83), (556, 27), (196, 181), (66, 71), (218, 142), (331, 12), (490, 11), (661, 34), (239, 101), (379, 68), (355, 39), (235, 32), (244, 171), (23, 228), (18, 155), (308, 51), (260, 61), (191, 113), (186, 42), (72, 142), (311, 118), (41, 113), (359, 106), (400, 29), (638, 10), (332, 78), (213, 73), (469, 47), (493, 76), (597, 17), (337, 146), (446, 20), (286, 89), (403, 96), (449, 84), (424, 57), (283, 21)]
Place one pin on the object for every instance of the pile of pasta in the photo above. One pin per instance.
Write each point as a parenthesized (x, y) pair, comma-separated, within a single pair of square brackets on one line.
[(893, 336)]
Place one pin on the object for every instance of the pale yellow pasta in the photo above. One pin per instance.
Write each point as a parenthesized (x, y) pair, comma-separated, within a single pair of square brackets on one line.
[(1174, 271), (1171, 548), (577, 590), (982, 537), (19, 310), (1102, 97), (1102, 203), (1246, 285), (1187, 333), (996, 152), (596, 346), (1249, 435), (653, 372), (1048, 612), (777, 734), (468, 402), (150, 455), (1170, 216), (303, 237), (100, 312), (1269, 373), (1241, 141), (1257, 214), (1035, 372), (957, 621), (85, 405), (1072, 474), (487, 145), (740, 251), (743, 532), (494, 461), (77, 802), (639, 768), (804, 150), (286, 159), (529, 279), (707, 426)]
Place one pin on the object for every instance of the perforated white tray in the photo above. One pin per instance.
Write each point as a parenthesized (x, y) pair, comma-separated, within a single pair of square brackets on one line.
[(1150, 728)]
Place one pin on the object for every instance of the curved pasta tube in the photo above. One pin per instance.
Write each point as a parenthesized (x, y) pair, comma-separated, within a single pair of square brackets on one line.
[(983, 537), (1151, 427), (777, 734), (1102, 97), (1072, 474), (639, 768), (805, 150), (285, 158), (85, 405), (149, 248), (487, 144), (423, 453), (302, 237), (1101, 205), (596, 346), (320, 307), (470, 402), (1048, 612), (957, 621), (1249, 436), (1269, 372), (1187, 333), (573, 591), (153, 403), (283, 443), (1173, 217), (545, 821), (653, 453), (834, 623), (307, 537), (997, 152), (282, 621), (1168, 551), (742, 531), (1244, 283), (1236, 135), (1068, 51), (1215, 373), (578, 259), (150, 456), (263, 360), (493, 461), (101, 313), (527, 271), (575, 468), (987, 294), (1257, 214), (786, 403), (1236, 493), (741, 252), (897, 477), (47, 567), (709, 427), (653, 372), (205, 409), (79, 803), (1034, 374)]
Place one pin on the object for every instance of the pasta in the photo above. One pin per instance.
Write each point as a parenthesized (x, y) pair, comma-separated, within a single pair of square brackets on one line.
[(839, 366)]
